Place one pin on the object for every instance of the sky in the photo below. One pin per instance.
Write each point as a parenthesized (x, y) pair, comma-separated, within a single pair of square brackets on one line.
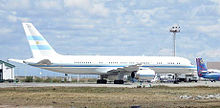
[(111, 27)]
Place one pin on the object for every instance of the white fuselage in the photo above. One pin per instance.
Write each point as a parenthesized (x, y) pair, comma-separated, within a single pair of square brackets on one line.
[(45, 57), (103, 64)]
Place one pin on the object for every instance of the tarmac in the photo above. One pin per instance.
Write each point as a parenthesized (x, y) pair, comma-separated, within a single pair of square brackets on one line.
[(190, 84), (126, 85)]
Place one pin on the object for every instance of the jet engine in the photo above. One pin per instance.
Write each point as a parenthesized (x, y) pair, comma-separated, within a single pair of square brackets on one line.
[(145, 74)]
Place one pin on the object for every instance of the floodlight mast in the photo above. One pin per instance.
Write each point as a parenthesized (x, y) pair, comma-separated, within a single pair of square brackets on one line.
[(174, 29)]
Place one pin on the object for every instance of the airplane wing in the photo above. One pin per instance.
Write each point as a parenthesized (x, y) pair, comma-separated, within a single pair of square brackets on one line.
[(120, 72)]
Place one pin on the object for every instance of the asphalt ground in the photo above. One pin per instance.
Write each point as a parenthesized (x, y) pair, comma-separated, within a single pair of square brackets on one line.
[(126, 85)]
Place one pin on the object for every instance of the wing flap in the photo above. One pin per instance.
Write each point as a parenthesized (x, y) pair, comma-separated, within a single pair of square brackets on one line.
[(120, 72)]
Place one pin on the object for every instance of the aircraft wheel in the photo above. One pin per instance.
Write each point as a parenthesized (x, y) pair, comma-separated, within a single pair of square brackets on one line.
[(118, 81), (101, 81), (175, 82)]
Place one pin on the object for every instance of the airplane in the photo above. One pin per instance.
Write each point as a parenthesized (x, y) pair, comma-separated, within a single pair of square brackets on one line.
[(203, 72), (108, 67)]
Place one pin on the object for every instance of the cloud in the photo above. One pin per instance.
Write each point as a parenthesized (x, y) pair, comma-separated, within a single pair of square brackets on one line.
[(216, 5), (210, 30), (50, 4), (13, 18), (188, 42), (121, 10), (213, 53), (5, 31), (15, 4), (184, 1), (83, 26), (165, 51), (145, 16), (84, 4), (62, 36), (148, 17), (99, 9), (93, 8), (203, 10)]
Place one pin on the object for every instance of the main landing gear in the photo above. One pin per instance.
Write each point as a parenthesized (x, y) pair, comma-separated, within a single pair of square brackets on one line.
[(133, 76), (102, 80), (175, 79), (118, 81)]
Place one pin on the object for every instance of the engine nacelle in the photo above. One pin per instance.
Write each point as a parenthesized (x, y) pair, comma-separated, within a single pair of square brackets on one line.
[(145, 74)]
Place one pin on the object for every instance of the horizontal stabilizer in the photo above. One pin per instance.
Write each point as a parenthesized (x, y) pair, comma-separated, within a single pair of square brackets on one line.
[(16, 60)]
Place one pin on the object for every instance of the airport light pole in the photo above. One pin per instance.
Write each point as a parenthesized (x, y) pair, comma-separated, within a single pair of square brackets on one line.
[(174, 29)]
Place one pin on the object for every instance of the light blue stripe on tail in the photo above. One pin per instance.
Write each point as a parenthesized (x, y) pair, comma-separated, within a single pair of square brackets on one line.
[(34, 38), (40, 47), (38, 44)]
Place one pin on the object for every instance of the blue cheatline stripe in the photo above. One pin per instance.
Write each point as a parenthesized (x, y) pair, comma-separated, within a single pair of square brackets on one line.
[(40, 47), (110, 66), (170, 66), (147, 75), (34, 38)]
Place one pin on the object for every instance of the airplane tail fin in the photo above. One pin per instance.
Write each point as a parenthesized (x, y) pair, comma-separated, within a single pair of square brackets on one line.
[(201, 66), (39, 46)]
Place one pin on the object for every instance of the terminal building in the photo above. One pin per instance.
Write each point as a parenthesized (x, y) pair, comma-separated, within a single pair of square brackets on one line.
[(6, 71)]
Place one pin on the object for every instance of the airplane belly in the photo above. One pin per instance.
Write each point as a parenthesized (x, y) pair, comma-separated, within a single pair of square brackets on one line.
[(72, 70), (174, 70)]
